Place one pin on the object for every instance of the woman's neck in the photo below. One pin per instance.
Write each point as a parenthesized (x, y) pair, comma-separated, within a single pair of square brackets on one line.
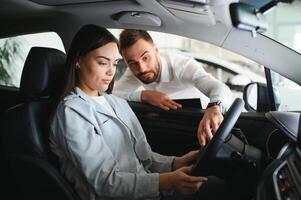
[(89, 91)]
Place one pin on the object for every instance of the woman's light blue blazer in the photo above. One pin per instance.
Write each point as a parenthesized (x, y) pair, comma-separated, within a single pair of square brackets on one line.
[(82, 136)]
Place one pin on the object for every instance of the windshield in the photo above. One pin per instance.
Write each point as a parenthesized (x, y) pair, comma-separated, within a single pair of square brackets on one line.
[(285, 27), (285, 24)]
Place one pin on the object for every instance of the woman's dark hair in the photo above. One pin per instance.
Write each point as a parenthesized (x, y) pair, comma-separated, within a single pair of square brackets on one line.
[(88, 38)]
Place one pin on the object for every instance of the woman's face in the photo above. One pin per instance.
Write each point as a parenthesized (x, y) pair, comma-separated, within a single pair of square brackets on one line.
[(97, 69)]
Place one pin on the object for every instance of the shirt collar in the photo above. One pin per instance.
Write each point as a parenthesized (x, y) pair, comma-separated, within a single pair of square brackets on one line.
[(81, 94), (165, 71), (78, 92)]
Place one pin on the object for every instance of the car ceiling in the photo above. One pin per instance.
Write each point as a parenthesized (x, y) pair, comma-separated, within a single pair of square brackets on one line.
[(210, 23), (16, 13)]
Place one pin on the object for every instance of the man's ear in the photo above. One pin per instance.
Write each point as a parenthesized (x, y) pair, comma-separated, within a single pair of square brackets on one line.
[(156, 49)]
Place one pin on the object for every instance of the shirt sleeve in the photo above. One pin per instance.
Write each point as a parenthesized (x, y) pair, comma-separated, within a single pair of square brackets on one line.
[(190, 70), (90, 154), (128, 87)]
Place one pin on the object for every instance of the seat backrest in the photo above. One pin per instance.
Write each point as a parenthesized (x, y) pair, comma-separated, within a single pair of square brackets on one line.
[(24, 129)]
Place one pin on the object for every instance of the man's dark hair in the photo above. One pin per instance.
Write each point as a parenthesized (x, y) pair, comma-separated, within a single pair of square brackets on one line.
[(128, 37)]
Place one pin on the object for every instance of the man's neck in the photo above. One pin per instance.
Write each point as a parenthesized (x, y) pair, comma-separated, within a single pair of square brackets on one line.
[(159, 71)]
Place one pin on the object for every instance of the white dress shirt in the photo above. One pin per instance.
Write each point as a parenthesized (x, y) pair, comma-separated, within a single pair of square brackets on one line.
[(182, 77)]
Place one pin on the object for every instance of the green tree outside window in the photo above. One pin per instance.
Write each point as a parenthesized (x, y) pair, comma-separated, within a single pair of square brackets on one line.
[(9, 51)]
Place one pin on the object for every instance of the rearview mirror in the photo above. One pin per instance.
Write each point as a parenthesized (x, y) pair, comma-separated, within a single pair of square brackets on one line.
[(256, 97), (246, 17)]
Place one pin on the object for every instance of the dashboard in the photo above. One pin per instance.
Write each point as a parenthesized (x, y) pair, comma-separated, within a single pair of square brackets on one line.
[(281, 180)]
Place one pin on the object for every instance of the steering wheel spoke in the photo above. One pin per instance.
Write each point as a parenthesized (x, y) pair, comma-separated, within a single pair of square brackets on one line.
[(209, 152)]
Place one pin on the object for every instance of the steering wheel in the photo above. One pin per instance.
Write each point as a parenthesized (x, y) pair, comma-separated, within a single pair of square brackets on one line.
[(209, 152)]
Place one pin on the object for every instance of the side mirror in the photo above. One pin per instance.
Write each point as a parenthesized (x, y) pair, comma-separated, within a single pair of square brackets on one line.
[(238, 82), (256, 97)]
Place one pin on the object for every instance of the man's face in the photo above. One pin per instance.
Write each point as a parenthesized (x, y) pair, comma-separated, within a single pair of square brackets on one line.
[(143, 60)]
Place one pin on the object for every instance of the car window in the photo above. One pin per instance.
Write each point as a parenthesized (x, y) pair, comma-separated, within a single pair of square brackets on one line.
[(13, 52), (285, 25), (232, 69), (289, 92)]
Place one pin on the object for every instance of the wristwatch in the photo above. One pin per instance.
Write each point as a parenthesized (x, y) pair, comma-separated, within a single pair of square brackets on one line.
[(216, 103)]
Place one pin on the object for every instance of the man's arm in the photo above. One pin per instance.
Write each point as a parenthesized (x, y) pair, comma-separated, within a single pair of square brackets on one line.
[(128, 87), (131, 89), (215, 90), (159, 99)]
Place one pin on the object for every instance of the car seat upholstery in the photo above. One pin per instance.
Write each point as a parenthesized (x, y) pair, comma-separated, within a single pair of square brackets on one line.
[(24, 130)]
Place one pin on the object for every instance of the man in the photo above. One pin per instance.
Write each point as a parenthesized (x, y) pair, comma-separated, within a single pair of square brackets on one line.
[(154, 78)]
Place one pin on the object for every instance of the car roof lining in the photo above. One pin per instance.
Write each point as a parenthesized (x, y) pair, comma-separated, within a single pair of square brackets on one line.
[(101, 13), (68, 2), (21, 16)]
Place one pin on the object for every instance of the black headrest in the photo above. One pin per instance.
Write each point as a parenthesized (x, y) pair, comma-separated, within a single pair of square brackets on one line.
[(43, 72)]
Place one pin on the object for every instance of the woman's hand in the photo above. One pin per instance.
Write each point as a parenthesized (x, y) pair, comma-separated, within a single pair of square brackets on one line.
[(185, 160), (181, 181)]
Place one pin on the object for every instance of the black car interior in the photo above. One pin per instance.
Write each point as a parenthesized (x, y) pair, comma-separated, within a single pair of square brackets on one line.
[(33, 169), (28, 168), (283, 174), (227, 149)]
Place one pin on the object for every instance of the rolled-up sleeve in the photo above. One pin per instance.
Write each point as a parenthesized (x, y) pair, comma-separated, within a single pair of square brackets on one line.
[(192, 71), (90, 154)]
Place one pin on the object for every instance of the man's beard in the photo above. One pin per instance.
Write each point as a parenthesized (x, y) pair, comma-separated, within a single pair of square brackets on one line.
[(156, 71), (147, 81)]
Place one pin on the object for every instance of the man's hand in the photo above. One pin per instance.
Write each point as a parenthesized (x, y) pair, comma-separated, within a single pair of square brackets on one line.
[(209, 124), (185, 160), (159, 99)]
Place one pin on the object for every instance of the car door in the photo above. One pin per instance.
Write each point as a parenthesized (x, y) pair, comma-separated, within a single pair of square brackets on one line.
[(174, 132)]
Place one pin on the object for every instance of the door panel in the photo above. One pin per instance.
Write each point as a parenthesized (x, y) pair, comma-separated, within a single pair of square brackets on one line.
[(169, 132), (9, 96), (174, 132)]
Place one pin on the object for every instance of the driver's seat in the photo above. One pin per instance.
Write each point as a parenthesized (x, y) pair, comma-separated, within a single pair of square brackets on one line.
[(24, 130)]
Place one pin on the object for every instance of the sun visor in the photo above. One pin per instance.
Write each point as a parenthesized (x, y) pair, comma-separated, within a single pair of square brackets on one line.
[(137, 18), (198, 10)]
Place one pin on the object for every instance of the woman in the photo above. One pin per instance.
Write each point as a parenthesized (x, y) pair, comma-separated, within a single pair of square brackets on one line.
[(100, 143)]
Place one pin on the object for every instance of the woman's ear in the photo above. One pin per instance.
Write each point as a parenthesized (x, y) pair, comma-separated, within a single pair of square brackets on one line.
[(77, 65)]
